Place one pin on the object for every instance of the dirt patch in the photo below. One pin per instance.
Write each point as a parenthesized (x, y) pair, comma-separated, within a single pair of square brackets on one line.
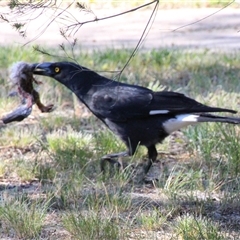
[(204, 28)]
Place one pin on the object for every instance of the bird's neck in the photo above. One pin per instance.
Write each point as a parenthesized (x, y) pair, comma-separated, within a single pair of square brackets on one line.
[(85, 81)]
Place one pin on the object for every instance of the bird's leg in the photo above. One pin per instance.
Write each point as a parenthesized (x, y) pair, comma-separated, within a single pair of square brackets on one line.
[(110, 158), (152, 156)]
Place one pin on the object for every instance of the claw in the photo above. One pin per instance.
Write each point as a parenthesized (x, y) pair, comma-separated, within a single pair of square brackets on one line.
[(110, 158)]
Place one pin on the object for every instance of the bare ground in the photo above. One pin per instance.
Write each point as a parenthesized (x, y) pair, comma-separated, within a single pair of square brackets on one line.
[(204, 28)]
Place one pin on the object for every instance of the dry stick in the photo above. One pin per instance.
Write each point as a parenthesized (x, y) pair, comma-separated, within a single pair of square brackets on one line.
[(202, 19), (64, 10), (140, 40), (79, 24), (112, 16)]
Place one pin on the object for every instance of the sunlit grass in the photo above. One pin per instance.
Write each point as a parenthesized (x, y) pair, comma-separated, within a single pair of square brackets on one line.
[(152, 220), (93, 225), (190, 228), (19, 136), (71, 149), (24, 217)]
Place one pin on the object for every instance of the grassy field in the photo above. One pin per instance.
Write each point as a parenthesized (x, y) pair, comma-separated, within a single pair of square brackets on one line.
[(50, 181)]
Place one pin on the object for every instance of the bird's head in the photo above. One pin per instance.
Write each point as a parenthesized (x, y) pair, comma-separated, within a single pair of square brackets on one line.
[(75, 77), (61, 71)]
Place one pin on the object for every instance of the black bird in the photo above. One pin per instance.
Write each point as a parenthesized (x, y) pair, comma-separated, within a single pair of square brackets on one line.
[(136, 114)]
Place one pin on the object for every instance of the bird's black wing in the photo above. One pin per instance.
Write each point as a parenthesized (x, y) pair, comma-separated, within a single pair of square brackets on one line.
[(123, 102), (177, 103)]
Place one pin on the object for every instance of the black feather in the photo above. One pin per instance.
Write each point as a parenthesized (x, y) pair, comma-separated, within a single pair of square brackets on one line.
[(126, 109)]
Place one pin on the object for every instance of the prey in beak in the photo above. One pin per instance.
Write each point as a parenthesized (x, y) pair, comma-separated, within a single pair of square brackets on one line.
[(22, 77)]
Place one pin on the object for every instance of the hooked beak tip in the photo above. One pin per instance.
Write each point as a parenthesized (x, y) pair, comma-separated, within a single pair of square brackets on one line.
[(34, 66)]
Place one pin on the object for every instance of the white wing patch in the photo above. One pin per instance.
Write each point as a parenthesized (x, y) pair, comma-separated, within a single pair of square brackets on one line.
[(154, 112), (180, 121)]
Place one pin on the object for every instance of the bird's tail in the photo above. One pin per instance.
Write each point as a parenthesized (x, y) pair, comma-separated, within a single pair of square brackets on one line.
[(214, 118), (184, 120)]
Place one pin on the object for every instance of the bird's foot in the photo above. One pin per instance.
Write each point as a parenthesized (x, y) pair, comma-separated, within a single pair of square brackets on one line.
[(154, 172), (115, 163), (115, 160), (147, 167)]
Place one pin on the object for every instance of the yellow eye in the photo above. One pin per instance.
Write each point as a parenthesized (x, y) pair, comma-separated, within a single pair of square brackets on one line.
[(57, 69)]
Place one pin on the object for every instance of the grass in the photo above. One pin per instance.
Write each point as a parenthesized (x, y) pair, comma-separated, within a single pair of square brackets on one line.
[(49, 168), (190, 228), (24, 217), (92, 226)]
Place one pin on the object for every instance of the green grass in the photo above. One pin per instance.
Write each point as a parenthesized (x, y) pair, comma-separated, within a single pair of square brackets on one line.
[(152, 220), (49, 168), (24, 217), (91, 226), (192, 228)]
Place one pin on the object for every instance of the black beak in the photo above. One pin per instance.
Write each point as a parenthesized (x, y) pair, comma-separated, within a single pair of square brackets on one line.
[(42, 69)]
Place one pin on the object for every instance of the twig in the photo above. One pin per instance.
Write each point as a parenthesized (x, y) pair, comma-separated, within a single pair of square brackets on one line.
[(111, 16), (141, 39), (202, 19)]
